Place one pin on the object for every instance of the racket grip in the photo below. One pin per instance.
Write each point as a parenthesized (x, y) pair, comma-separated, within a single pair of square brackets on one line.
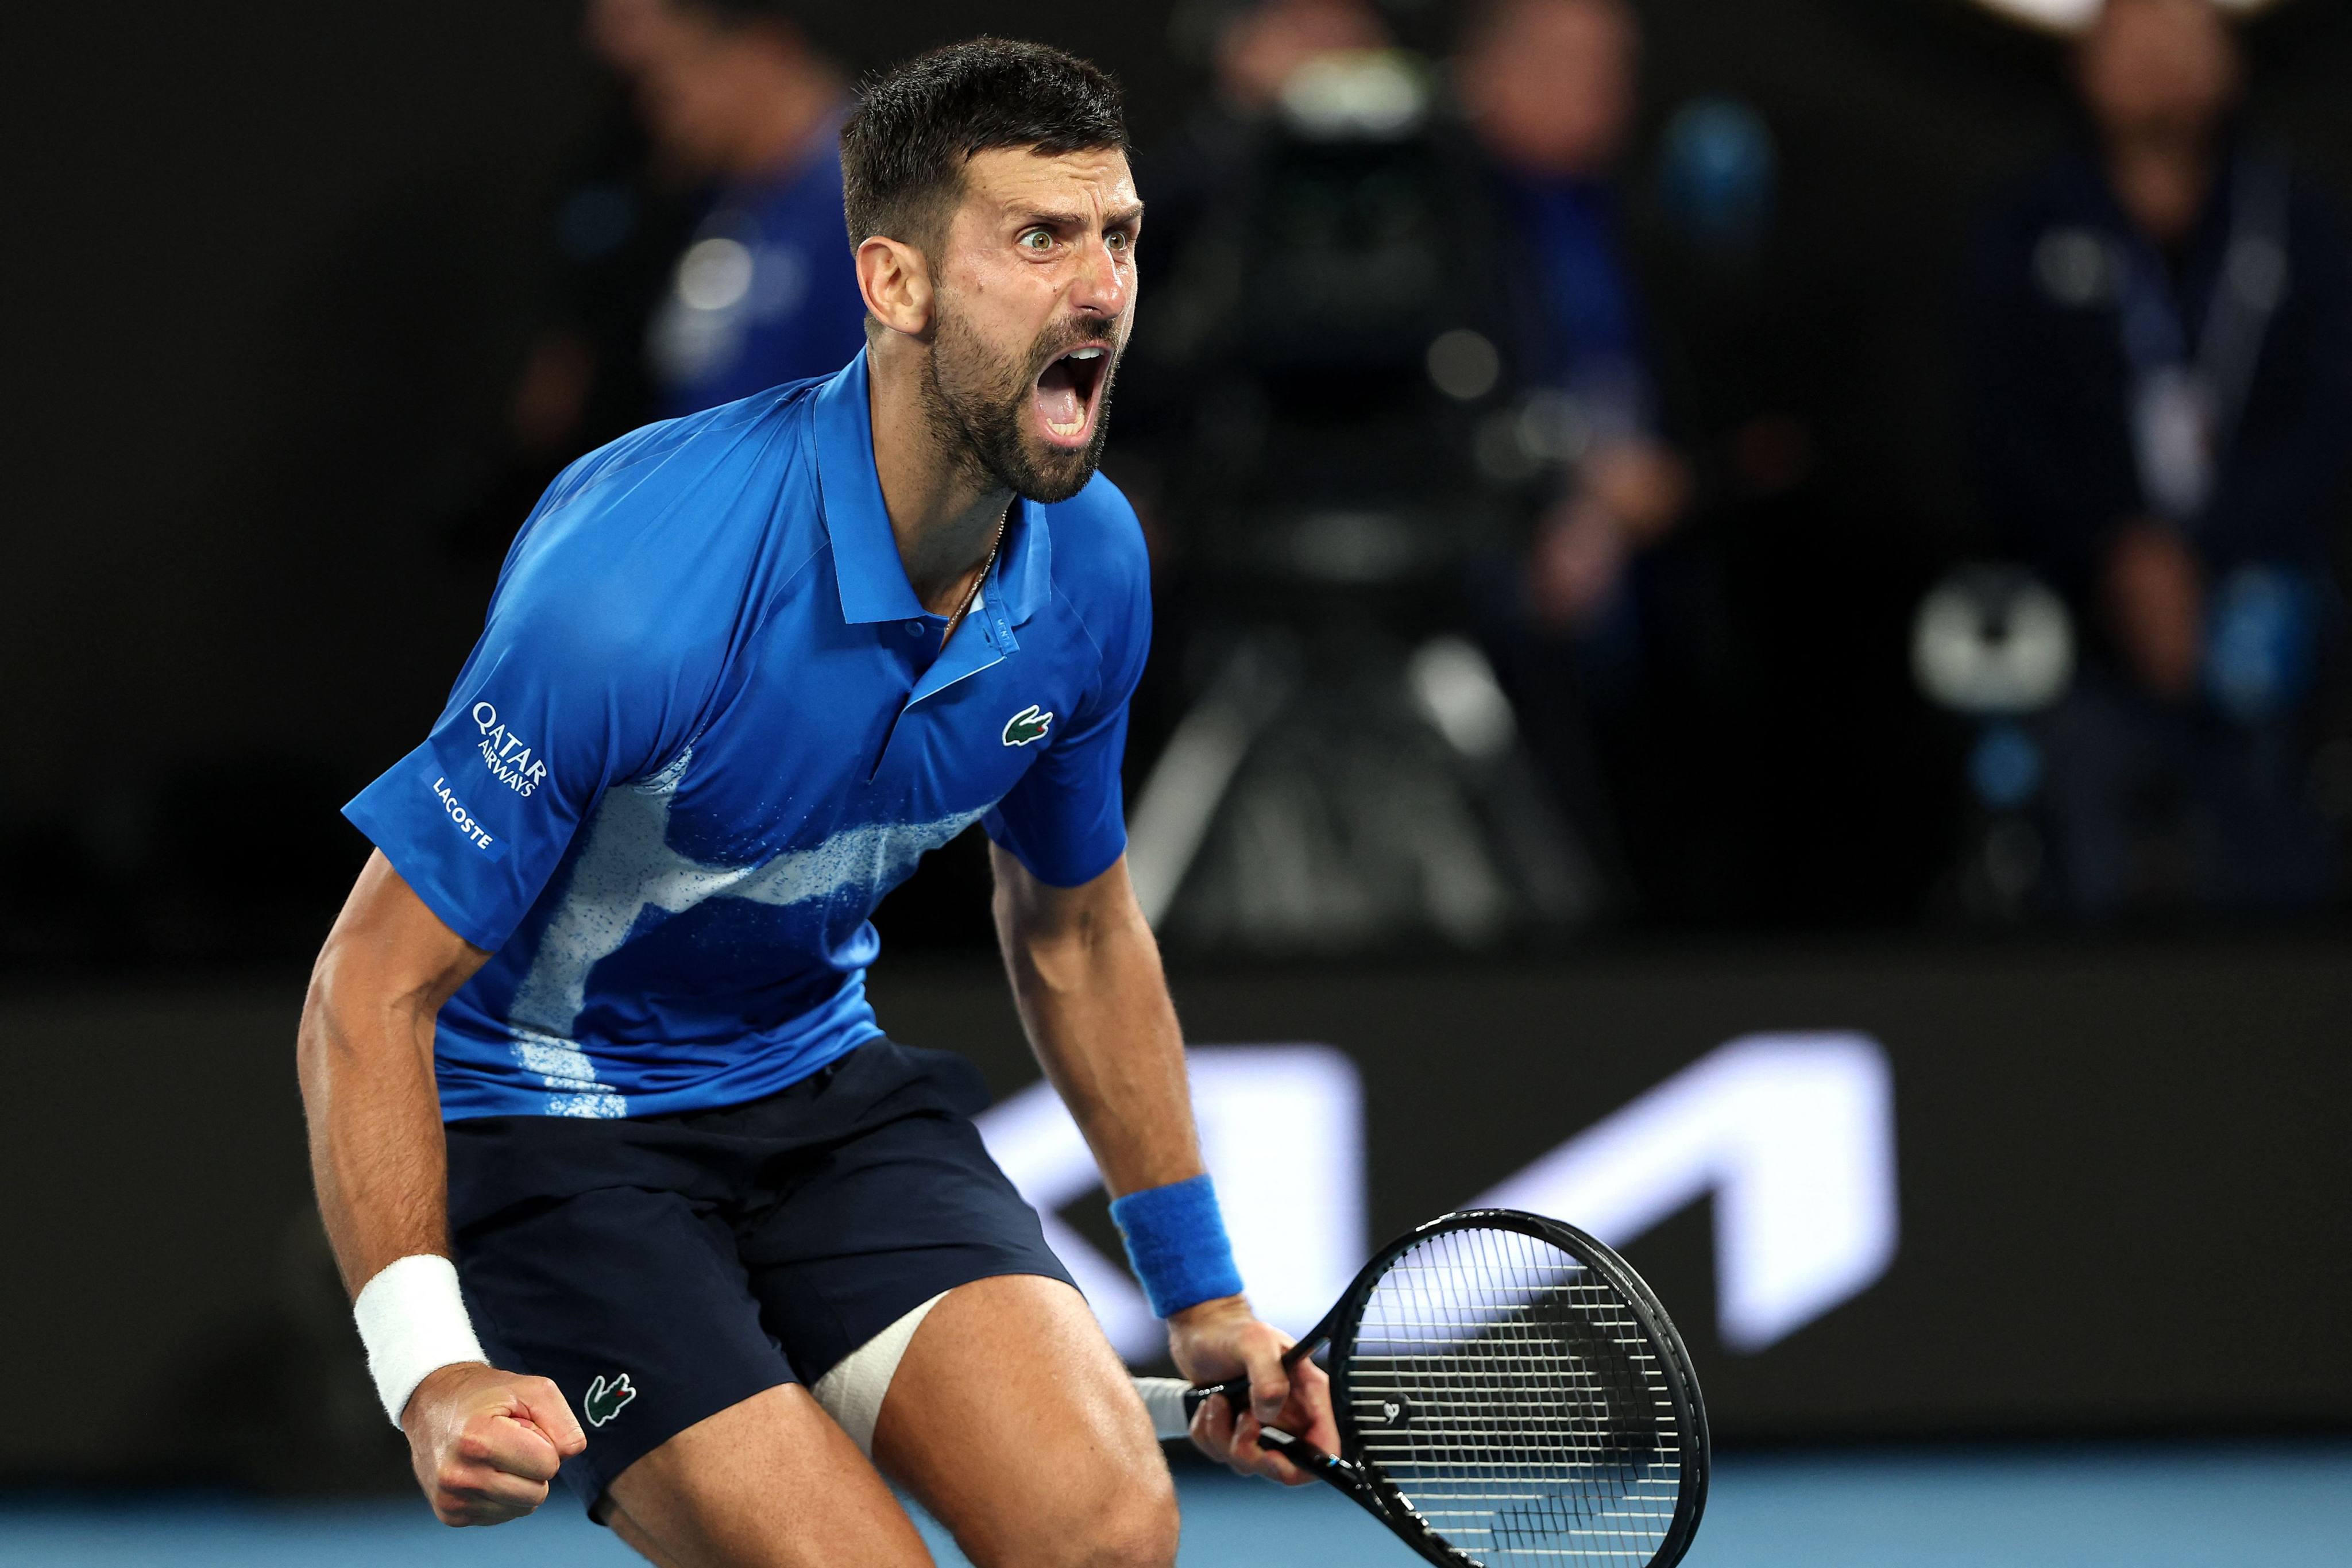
[(1299, 1451), (1168, 1401), (1236, 1394), (1172, 1402)]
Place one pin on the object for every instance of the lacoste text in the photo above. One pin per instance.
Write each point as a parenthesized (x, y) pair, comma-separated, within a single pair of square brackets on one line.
[(475, 833)]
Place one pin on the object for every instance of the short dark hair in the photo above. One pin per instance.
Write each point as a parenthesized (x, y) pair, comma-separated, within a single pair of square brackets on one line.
[(904, 147)]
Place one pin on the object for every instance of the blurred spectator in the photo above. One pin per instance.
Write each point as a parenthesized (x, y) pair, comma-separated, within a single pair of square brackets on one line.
[(1261, 45), (698, 251), (2161, 333), (1550, 93), (736, 92), (1548, 87)]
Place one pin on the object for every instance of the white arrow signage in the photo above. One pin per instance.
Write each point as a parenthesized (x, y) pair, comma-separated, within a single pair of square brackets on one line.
[(1284, 1121), (1793, 1134)]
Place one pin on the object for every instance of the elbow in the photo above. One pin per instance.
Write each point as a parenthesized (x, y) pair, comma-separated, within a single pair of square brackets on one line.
[(317, 1038), (1084, 950), (1064, 940), (345, 992), (1056, 958)]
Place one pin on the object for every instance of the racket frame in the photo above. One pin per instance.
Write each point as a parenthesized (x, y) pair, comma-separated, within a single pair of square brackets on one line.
[(1362, 1480)]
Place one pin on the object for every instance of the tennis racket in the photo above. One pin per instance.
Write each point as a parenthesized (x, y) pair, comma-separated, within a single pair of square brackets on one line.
[(1508, 1393)]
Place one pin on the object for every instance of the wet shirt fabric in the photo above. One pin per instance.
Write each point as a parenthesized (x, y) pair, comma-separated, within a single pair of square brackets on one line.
[(708, 725)]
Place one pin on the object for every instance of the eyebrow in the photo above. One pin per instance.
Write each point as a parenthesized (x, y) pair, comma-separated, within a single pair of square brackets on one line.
[(1120, 218)]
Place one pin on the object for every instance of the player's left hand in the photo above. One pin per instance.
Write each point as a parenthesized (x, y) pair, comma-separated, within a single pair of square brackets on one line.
[(1218, 1341)]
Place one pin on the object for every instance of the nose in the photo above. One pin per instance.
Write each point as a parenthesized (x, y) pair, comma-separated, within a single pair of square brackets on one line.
[(1102, 282)]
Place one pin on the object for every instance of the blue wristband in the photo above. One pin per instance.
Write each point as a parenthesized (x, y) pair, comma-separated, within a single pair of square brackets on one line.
[(1176, 1242)]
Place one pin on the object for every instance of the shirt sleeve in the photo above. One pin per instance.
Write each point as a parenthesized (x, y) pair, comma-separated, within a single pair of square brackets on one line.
[(564, 696), (1065, 821)]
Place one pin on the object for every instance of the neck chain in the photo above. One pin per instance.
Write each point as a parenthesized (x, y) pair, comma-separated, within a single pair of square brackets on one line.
[(972, 594)]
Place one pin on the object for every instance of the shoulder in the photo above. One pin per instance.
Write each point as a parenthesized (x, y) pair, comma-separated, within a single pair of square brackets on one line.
[(649, 466), (645, 551), (1101, 567), (1098, 543)]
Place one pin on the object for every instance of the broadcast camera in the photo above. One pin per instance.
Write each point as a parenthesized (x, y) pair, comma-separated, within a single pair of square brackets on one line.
[(1342, 317)]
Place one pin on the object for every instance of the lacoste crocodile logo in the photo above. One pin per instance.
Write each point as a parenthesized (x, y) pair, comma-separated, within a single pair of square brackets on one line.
[(605, 1399), (1026, 726)]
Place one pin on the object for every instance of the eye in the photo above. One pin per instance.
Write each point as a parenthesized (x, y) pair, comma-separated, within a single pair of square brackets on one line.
[(1119, 240), (1036, 239)]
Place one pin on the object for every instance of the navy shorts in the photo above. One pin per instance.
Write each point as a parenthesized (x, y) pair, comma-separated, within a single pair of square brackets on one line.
[(661, 1268)]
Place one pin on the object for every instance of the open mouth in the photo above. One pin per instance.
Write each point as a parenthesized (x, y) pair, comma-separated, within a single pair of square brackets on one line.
[(1066, 393)]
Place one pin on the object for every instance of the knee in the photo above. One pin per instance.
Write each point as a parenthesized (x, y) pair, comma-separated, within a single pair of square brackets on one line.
[(1137, 1529), (1134, 1526)]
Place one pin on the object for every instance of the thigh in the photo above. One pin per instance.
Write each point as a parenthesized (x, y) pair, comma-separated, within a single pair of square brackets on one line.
[(904, 1204), (632, 1301), (769, 1482), (1014, 1421)]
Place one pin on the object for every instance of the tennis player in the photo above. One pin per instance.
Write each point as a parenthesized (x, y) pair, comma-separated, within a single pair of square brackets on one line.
[(627, 1180)]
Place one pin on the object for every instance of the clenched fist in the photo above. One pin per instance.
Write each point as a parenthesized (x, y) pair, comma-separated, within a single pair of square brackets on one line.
[(485, 1443)]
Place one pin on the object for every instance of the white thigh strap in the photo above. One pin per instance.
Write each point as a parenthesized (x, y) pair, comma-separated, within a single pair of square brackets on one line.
[(852, 1392)]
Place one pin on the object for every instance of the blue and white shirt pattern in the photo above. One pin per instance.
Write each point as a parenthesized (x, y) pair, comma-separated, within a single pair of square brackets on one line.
[(708, 725)]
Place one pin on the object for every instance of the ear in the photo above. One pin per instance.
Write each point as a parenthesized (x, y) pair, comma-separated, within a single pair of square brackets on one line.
[(895, 281)]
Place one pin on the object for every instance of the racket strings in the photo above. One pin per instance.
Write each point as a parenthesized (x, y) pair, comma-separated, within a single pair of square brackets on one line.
[(1515, 1401)]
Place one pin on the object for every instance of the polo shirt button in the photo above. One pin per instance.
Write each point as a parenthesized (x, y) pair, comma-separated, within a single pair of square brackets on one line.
[(914, 628)]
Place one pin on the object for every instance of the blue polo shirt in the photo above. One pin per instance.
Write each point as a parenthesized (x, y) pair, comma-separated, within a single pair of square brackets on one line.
[(708, 726)]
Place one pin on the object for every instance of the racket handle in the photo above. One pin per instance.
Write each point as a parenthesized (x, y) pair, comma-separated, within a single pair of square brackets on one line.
[(1309, 1457), (1172, 1402)]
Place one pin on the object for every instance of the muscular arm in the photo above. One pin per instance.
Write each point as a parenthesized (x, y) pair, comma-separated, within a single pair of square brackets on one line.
[(365, 1054), (1086, 978), (483, 1442)]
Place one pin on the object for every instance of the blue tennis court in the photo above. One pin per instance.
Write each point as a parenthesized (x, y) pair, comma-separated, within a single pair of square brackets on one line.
[(2130, 1507)]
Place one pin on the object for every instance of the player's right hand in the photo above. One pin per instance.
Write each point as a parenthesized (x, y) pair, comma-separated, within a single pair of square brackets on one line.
[(485, 1443)]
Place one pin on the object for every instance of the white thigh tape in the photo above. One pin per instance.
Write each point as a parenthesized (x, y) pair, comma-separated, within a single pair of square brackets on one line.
[(851, 1393), (413, 1321)]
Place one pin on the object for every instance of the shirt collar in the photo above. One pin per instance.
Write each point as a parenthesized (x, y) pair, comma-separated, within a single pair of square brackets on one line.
[(866, 563)]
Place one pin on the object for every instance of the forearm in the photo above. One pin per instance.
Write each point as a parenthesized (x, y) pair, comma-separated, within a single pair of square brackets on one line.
[(377, 1156), (1087, 978), (483, 1443), (1095, 1002)]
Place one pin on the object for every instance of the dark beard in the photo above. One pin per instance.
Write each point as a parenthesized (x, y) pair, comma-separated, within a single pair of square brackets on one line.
[(980, 409)]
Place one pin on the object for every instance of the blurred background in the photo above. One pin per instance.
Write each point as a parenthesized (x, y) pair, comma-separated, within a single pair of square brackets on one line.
[(1768, 573)]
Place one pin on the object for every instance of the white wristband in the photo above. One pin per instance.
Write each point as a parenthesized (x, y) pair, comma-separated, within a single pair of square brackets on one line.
[(413, 1322)]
